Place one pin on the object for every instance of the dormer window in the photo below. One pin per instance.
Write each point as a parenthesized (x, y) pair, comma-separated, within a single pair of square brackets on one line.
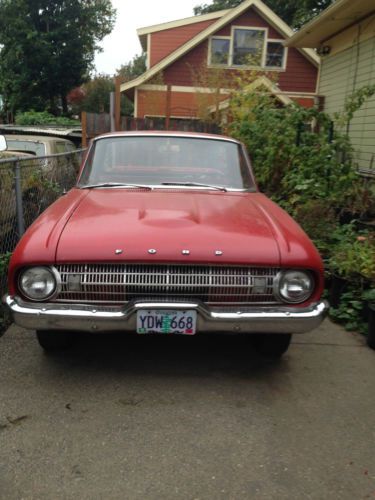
[(275, 55), (247, 48), (220, 50)]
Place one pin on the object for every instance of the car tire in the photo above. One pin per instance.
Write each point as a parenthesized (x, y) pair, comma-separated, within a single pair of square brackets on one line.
[(55, 341), (272, 345), (371, 328)]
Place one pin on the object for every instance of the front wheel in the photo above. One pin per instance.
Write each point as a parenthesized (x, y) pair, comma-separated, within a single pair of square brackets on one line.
[(54, 341), (272, 345)]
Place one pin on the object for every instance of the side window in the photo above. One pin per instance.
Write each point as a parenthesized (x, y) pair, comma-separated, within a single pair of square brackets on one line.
[(64, 147), (220, 50), (275, 55)]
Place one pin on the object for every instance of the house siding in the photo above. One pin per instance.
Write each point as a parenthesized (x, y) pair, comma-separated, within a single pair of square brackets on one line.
[(182, 104), (299, 76), (167, 41), (341, 75)]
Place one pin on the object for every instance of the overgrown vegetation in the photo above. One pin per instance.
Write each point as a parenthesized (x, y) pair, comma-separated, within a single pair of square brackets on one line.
[(304, 161), (4, 315), (29, 118)]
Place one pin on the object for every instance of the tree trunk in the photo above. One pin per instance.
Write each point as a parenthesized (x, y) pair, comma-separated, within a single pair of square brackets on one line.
[(64, 103)]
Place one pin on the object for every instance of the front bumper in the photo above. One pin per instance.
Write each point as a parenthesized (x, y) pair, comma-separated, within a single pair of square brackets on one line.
[(101, 318)]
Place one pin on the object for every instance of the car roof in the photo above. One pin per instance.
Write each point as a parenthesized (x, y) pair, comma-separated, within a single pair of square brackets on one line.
[(34, 138), (168, 133)]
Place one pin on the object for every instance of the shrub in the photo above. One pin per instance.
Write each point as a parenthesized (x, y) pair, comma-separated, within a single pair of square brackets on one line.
[(29, 118)]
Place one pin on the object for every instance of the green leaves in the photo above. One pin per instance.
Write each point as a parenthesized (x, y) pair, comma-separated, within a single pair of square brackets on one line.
[(293, 13), (48, 49)]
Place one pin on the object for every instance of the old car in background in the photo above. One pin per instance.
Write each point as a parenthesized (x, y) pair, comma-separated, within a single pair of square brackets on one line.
[(37, 145), (166, 233), (46, 167)]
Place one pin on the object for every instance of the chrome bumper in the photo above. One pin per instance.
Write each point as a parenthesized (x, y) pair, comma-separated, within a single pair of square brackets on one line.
[(101, 318)]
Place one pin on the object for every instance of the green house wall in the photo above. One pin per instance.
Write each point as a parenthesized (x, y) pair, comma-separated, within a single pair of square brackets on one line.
[(341, 75)]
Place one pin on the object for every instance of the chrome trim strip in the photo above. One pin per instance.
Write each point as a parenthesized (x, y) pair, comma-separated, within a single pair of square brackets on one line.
[(274, 319), (183, 135)]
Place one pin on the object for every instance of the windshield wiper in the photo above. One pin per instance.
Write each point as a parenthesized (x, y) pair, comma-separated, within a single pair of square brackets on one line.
[(115, 184), (194, 184)]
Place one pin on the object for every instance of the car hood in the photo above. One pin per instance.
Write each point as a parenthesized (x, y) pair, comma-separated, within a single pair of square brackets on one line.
[(213, 226)]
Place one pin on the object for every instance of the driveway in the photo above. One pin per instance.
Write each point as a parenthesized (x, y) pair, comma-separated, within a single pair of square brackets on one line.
[(187, 418)]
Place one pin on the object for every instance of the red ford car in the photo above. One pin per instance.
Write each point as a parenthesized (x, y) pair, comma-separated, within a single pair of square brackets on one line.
[(166, 233)]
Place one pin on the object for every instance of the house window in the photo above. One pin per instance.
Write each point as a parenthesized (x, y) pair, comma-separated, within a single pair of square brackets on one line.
[(248, 46), (275, 55), (220, 51)]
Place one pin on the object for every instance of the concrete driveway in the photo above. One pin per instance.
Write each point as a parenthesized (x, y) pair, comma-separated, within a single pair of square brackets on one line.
[(187, 418)]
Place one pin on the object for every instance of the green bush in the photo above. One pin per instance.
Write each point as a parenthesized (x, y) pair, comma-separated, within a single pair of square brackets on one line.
[(298, 158), (29, 118), (304, 162)]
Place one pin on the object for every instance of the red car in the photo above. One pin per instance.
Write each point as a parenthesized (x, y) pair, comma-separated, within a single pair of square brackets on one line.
[(166, 233)]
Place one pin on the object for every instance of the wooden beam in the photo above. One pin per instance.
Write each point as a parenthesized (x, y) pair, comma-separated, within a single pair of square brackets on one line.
[(168, 107), (118, 81), (84, 129)]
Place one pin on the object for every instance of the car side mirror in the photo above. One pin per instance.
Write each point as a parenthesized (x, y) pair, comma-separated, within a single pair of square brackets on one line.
[(3, 143)]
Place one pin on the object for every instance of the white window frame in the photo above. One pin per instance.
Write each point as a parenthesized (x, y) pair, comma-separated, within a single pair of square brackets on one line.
[(263, 66), (283, 66), (210, 63), (248, 28)]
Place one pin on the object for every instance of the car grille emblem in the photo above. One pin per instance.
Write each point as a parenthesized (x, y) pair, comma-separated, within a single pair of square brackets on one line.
[(152, 251), (119, 251), (185, 252), (219, 253)]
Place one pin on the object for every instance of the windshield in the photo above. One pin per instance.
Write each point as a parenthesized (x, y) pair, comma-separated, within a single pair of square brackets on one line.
[(32, 147), (170, 161)]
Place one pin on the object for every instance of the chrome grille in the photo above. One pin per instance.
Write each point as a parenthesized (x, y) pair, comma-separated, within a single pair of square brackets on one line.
[(120, 283)]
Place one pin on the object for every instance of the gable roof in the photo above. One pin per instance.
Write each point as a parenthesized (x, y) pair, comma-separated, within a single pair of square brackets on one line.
[(143, 32), (225, 19), (260, 83), (337, 17)]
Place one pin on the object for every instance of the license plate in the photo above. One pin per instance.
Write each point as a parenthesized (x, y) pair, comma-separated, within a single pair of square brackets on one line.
[(177, 322)]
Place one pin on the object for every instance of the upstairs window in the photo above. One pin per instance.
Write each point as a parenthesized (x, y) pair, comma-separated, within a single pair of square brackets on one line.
[(275, 55), (248, 47), (220, 50)]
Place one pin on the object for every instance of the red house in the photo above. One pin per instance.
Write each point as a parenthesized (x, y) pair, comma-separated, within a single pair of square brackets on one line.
[(185, 56)]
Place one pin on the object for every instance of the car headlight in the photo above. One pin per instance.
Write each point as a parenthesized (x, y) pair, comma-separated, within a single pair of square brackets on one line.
[(38, 283), (294, 286)]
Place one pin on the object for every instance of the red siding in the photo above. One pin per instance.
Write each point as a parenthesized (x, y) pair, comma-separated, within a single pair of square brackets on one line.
[(183, 104), (251, 18), (182, 71), (300, 75), (305, 101), (165, 42)]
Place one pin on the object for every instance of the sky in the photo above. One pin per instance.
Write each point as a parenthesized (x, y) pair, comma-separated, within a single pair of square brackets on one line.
[(122, 44)]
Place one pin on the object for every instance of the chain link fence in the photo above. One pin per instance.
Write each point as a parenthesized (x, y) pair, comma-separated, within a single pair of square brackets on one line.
[(28, 185)]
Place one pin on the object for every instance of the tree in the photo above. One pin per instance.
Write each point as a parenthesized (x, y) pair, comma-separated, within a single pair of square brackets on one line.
[(133, 68), (48, 48), (295, 13)]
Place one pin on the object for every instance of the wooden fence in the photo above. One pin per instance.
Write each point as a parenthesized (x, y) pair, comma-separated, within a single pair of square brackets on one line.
[(95, 124)]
